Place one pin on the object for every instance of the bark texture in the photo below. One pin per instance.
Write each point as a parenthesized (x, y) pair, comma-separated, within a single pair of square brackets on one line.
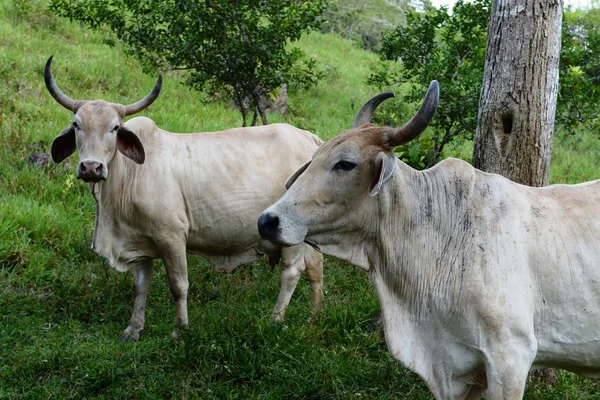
[(520, 86)]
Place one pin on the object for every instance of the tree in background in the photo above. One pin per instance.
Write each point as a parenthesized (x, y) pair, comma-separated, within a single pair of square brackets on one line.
[(449, 48), (520, 87), (236, 49), (579, 94)]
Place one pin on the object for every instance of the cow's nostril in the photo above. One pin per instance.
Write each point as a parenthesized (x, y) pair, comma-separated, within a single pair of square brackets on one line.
[(90, 171), (88, 167), (272, 222), (267, 225)]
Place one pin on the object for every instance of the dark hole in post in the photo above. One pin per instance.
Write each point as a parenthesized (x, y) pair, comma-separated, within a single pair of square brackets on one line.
[(507, 124)]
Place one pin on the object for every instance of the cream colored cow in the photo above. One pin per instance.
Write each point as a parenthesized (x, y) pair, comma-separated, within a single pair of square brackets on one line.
[(160, 194), (479, 279)]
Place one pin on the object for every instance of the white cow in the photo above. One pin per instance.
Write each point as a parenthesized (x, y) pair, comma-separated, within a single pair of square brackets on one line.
[(161, 194), (479, 279)]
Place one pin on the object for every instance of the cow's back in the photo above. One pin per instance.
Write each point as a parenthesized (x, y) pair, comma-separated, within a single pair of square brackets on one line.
[(215, 185)]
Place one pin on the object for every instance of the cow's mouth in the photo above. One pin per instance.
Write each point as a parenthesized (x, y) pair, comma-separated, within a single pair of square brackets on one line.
[(93, 179)]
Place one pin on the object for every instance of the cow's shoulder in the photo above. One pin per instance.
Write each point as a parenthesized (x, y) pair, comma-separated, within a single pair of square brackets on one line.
[(454, 169), (456, 164), (140, 124)]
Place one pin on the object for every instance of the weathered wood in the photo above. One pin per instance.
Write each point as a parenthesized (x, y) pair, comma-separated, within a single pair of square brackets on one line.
[(520, 86)]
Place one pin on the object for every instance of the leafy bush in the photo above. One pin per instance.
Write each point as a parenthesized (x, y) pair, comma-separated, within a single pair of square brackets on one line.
[(579, 93), (449, 48)]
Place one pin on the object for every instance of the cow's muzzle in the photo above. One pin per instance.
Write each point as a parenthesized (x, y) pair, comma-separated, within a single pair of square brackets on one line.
[(91, 171), (268, 226)]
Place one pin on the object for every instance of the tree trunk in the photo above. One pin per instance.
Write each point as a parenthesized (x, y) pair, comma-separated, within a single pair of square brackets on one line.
[(238, 101), (259, 107), (263, 115), (255, 117), (520, 86)]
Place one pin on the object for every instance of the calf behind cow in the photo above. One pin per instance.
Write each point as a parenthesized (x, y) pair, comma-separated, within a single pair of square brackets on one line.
[(479, 279), (160, 194)]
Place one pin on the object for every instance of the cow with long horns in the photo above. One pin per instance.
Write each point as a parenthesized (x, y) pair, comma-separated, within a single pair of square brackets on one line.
[(479, 279), (160, 194)]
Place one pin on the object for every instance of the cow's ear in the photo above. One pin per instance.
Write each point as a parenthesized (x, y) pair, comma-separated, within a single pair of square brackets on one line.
[(64, 145), (290, 181), (130, 146), (385, 165)]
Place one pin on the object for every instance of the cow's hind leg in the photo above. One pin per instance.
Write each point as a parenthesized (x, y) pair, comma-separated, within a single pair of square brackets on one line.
[(296, 260), (174, 257), (141, 280)]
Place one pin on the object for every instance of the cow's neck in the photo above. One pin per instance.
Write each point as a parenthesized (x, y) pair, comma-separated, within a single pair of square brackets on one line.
[(423, 218), (420, 240), (115, 194), (113, 197)]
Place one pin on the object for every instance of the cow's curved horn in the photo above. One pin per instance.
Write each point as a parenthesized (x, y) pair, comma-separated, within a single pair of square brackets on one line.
[(366, 112), (147, 100), (59, 96), (418, 123)]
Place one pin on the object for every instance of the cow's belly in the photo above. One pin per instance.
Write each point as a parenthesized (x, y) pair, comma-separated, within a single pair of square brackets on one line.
[(567, 318), (575, 357), (226, 263), (230, 251), (222, 241), (569, 337)]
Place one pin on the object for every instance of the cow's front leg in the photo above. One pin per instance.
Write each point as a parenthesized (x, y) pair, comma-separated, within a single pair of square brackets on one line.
[(292, 268), (296, 260), (141, 281), (506, 371), (314, 271), (176, 267)]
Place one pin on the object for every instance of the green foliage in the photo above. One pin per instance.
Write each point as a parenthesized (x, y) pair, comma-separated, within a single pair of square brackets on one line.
[(449, 48), (233, 49), (579, 93), (364, 21)]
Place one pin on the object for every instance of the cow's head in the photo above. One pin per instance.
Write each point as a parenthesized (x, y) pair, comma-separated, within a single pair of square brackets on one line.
[(330, 195), (97, 131)]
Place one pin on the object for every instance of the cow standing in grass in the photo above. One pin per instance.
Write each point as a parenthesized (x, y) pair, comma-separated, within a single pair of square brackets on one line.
[(480, 279), (160, 194)]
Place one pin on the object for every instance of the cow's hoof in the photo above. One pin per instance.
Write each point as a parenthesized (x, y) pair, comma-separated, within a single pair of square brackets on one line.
[(178, 332), (278, 316), (130, 337)]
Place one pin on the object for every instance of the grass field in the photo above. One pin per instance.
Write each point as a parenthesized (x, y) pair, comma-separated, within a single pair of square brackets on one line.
[(62, 308)]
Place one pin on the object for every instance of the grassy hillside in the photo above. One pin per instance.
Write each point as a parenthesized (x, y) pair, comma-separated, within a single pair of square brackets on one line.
[(62, 308)]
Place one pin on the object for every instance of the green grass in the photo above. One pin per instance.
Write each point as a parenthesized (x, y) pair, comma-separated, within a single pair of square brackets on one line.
[(62, 308)]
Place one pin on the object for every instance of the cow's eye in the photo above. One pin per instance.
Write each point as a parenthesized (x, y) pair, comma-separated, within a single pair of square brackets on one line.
[(75, 125), (116, 128), (344, 165)]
